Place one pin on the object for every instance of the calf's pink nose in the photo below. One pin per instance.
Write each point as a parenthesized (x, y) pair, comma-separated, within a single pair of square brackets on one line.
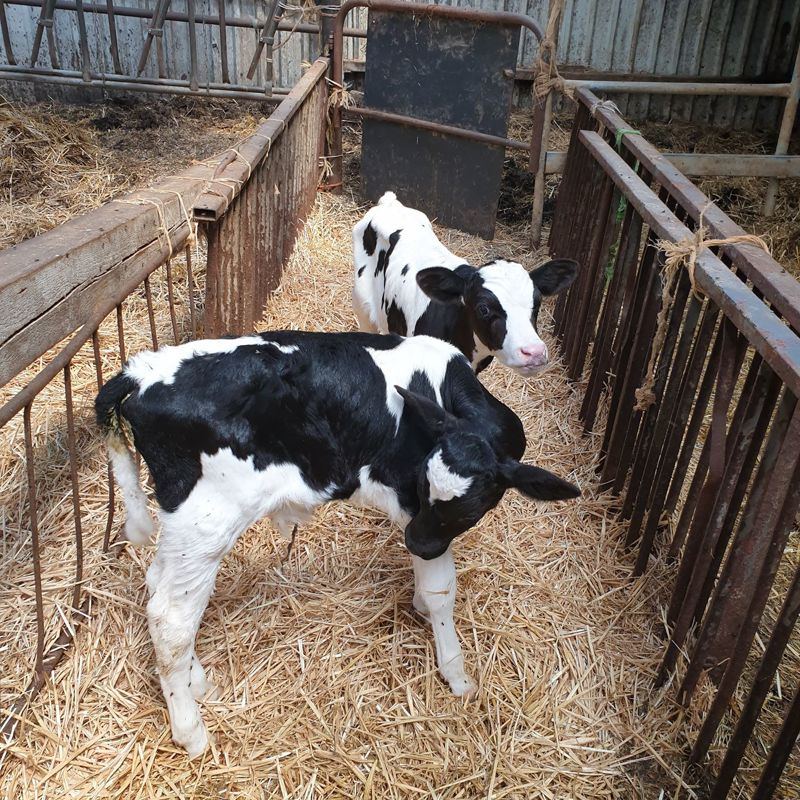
[(535, 354)]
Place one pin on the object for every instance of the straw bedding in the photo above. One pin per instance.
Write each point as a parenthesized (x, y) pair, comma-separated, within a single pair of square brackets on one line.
[(327, 681)]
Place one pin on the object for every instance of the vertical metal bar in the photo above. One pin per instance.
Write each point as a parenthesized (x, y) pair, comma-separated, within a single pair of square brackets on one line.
[(84, 41), (624, 263), (780, 752), (34, 522), (98, 364), (171, 299), (542, 119), (786, 482), (112, 32), (155, 29), (76, 502), (150, 314), (45, 22), (760, 689), (631, 366), (748, 571), (223, 41), (190, 280), (785, 134), (652, 433), (6, 36), (120, 334), (190, 10)]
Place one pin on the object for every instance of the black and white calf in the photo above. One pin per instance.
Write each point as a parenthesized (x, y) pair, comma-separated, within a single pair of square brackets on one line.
[(408, 282), (277, 424)]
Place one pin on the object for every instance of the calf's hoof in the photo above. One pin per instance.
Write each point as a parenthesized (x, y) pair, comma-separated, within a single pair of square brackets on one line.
[(194, 740), (463, 686)]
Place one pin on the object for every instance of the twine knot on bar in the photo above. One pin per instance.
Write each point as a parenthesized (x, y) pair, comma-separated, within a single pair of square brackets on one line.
[(677, 254), (546, 75)]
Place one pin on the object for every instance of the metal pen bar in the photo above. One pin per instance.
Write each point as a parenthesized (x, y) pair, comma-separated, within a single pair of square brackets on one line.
[(6, 36), (223, 40), (84, 41), (112, 32), (193, 84)]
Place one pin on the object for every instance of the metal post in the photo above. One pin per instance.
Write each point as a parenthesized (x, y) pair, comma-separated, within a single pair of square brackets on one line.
[(327, 11), (787, 123)]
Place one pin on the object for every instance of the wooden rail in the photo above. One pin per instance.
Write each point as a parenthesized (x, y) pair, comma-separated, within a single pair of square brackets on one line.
[(59, 289)]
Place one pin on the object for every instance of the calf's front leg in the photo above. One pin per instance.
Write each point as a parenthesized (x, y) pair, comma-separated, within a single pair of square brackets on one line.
[(434, 597)]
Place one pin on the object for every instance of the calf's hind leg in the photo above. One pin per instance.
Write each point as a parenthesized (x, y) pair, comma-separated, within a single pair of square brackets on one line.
[(180, 581)]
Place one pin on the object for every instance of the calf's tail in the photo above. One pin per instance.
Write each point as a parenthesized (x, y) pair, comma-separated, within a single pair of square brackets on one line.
[(139, 526)]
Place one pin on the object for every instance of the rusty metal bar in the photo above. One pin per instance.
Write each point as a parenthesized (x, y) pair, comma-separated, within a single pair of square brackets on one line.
[(684, 87), (785, 133), (769, 335), (223, 40), (156, 29), (150, 314), (399, 6), (542, 119), (778, 285), (156, 85), (437, 127), (83, 41), (6, 36), (779, 503), (190, 8), (190, 282), (112, 32), (76, 498), (781, 750), (45, 22), (266, 39), (242, 21), (761, 686)]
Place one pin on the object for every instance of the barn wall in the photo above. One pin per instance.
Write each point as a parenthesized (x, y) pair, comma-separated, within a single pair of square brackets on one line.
[(748, 39)]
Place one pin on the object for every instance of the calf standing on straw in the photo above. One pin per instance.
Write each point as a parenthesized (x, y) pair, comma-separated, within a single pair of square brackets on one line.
[(277, 424)]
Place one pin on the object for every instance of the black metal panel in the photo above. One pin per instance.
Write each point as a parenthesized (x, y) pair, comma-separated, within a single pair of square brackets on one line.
[(445, 71)]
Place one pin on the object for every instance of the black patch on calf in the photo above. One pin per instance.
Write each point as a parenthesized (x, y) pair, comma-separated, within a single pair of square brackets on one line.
[(396, 320), (404, 270), (370, 239), (361, 270), (482, 364), (384, 256), (486, 315)]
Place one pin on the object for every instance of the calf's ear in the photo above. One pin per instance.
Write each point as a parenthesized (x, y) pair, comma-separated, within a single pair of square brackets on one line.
[(441, 284), (427, 411), (536, 483), (555, 276)]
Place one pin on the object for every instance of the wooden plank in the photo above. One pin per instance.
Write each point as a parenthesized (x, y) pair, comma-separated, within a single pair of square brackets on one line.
[(50, 284), (711, 165)]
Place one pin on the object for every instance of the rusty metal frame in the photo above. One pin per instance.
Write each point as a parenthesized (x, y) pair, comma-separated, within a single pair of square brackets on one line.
[(141, 240), (161, 13), (735, 491), (426, 11)]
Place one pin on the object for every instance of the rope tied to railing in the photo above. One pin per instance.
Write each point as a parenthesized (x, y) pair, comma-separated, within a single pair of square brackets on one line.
[(547, 77), (676, 254), (339, 95)]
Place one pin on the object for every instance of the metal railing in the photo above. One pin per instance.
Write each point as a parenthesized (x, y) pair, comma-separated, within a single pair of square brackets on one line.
[(709, 474), (69, 300)]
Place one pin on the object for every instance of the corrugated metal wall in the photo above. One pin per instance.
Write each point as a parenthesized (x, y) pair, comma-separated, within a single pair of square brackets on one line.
[(749, 39)]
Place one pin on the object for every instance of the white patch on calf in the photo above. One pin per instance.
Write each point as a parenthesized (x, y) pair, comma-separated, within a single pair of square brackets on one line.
[(416, 354), (373, 494), (444, 483), (148, 368), (511, 284), (418, 247), (248, 494)]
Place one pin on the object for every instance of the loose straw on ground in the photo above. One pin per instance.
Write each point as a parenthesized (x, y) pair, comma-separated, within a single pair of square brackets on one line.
[(677, 254)]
